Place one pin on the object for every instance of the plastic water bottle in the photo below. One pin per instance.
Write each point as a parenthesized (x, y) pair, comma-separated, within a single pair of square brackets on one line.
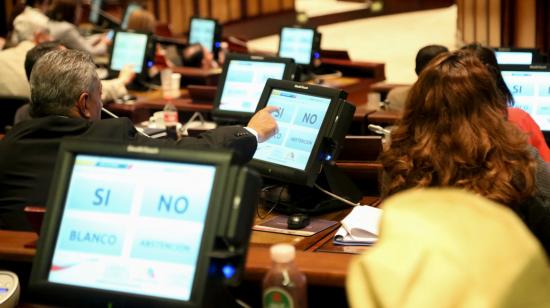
[(284, 286), (171, 120)]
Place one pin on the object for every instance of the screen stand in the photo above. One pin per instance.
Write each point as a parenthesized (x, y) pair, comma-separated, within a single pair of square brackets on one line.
[(139, 85), (303, 73), (217, 295), (291, 198)]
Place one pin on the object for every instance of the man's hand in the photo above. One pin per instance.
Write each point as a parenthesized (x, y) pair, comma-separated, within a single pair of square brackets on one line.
[(127, 74), (264, 123)]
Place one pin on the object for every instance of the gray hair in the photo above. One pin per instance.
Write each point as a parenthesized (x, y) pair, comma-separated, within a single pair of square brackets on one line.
[(58, 79)]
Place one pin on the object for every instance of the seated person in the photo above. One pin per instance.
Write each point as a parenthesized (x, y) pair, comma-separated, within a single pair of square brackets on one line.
[(31, 17), (64, 16), (111, 89), (193, 56), (449, 248), (144, 22), (397, 96), (453, 134), (13, 82), (66, 102), (197, 56), (515, 115)]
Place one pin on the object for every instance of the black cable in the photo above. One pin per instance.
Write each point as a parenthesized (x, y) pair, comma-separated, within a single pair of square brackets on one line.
[(274, 203)]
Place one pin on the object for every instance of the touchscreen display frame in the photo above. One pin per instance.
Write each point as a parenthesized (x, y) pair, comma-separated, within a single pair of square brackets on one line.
[(243, 116), (501, 52), (534, 89), (146, 53), (216, 34), (313, 48), (47, 290), (313, 167)]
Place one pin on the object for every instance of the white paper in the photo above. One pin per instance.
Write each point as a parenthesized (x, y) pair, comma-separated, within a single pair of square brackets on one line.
[(359, 227)]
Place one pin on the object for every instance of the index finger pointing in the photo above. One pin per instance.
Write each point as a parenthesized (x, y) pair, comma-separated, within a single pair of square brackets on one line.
[(271, 109)]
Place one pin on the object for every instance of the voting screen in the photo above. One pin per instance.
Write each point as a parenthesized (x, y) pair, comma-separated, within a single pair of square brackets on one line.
[(299, 119), (514, 57), (129, 48), (132, 226), (202, 32), (244, 83), (531, 91), (297, 44)]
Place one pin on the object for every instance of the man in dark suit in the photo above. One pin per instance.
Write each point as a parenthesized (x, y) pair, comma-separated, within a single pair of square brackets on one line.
[(66, 102)]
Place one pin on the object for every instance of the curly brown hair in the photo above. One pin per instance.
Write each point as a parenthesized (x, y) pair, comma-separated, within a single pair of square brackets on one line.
[(454, 133)]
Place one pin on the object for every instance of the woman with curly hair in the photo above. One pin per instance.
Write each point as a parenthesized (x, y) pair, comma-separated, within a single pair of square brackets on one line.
[(454, 133)]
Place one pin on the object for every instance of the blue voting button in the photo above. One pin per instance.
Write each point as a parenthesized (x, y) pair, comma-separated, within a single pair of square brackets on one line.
[(91, 237)]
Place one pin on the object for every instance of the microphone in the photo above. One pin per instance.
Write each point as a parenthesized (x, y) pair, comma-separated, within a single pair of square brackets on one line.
[(378, 129), (116, 117)]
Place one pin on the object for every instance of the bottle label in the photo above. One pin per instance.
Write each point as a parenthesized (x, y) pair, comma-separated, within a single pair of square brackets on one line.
[(170, 117), (277, 298)]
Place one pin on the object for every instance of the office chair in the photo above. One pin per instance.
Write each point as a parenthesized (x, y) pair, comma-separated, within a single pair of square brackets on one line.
[(8, 107)]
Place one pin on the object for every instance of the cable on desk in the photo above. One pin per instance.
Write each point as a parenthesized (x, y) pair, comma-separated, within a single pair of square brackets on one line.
[(150, 85), (346, 201), (274, 204)]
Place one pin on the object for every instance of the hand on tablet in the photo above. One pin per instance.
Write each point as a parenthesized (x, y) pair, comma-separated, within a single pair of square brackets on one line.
[(127, 74), (264, 123)]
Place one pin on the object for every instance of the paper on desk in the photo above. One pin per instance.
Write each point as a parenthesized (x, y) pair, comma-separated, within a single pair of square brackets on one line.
[(360, 227)]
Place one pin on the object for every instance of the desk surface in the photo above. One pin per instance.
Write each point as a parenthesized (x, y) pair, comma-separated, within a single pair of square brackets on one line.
[(383, 117), (151, 101)]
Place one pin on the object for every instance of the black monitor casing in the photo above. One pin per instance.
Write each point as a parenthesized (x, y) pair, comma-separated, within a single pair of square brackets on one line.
[(216, 43), (315, 48), (536, 56), (148, 59), (225, 238), (528, 68), (327, 146), (227, 116)]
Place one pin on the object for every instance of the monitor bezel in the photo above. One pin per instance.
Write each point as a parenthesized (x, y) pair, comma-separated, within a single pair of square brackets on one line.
[(315, 44), (217, 34), (534, 52), (242, 116), (149, 47), (45, 290), (527, 68), (314, 165)]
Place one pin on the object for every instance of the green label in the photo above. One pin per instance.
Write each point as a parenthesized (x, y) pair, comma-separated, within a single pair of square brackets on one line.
[(277, 298)]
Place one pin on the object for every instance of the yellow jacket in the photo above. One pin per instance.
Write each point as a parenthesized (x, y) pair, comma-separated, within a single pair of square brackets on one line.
[(450, 248)]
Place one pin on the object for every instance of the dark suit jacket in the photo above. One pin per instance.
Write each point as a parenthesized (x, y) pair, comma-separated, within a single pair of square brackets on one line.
[(29, 151)]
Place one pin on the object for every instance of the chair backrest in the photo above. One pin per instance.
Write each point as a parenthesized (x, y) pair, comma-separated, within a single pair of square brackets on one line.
[(8, 107)]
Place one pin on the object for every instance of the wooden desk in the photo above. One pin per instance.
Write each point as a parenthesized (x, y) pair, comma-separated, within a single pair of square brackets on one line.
[(371, 70), (193, 75), (326, 268), (12, 245), (384, 88), (149, 102), (383, 117)]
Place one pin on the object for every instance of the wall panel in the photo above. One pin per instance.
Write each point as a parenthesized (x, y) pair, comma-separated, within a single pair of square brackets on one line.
[(508, 23)]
